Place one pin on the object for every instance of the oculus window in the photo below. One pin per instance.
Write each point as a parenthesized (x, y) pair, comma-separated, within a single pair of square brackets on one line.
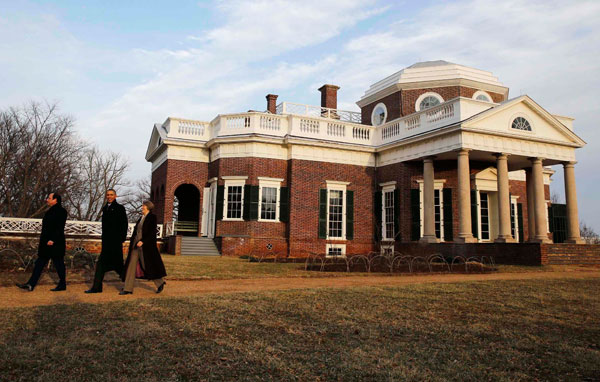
[(379, 115), (521, 123)]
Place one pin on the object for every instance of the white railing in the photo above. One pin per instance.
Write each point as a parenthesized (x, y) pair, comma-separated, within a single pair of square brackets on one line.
[(448, 113), (318, 111), (169, 228), (72, 227), (314, 122)]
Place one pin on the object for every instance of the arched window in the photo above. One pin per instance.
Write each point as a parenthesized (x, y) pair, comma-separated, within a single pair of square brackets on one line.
[(428, 100), (521, 123), (480, 95)]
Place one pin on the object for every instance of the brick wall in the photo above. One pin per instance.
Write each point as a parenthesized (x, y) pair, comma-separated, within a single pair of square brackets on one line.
[(171, 175), (403, 102), (572, 254)]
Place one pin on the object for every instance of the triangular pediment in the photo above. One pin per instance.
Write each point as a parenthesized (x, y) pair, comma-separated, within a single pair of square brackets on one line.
[(155, 141), (489, 173), (544, 126)]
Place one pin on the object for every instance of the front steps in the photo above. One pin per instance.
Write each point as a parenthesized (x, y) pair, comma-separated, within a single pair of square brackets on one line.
[(198, 246)]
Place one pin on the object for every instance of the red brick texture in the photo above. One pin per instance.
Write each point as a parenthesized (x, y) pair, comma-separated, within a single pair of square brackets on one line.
[(403, 102), (170, 175)]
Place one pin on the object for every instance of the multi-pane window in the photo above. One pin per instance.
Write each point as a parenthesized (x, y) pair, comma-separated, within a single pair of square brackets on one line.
[(334, 251), (485, 216), (336, 214), (234, 202), (268, 203), (429, 101), (437, 204), (388, 213), (521, 123), (514, 222)]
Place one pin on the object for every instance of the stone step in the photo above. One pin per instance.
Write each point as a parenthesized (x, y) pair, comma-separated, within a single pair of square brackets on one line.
[(198, 246)]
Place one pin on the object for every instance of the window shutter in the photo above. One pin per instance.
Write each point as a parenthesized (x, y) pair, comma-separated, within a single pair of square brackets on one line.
[(322, 213), (377, 227), (219, 206), (447, 195), (520, 221), (254, 202), (284, 205), (415, 215), (247, 201), (349, 215), (474, 213), (397, 215)]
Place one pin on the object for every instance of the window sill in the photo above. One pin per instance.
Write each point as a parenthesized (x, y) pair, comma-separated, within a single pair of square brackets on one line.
[(233, 220)]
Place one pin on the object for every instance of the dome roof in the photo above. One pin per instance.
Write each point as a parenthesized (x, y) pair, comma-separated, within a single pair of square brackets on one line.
[(438, 70)]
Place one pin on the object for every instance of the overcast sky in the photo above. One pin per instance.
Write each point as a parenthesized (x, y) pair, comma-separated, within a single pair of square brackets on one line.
[(120, 66)]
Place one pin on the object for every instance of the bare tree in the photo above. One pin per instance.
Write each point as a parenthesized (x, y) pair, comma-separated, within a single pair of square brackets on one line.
[(136, 195), (555, 198), (96, 172), (588, 234), (38, 154)]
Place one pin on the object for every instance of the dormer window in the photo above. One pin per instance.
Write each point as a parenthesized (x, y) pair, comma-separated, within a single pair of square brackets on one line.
[(480, 95), (379, 115), (428, 100), (521, 123)]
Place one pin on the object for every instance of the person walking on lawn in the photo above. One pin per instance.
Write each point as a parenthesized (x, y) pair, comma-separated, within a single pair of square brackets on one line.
[(114, 233), (52, 245), (144, 260)]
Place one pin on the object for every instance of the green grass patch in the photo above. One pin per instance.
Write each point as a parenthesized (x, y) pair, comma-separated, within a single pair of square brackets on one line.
[(501, 331)]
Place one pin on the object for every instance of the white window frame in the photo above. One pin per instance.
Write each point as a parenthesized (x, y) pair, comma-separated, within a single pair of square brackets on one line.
[(514, 204), (438, 184), (233, 181), (337, 186), (269, 183), (373, 114), (481, 92), (425, 95), (385, 188), (340, 246)]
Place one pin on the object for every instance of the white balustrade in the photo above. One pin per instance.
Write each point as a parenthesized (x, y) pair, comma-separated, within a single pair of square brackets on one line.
[(315, 122), (72, 227)]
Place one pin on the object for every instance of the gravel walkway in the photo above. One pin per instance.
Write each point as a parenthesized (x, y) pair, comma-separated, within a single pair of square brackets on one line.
[(15, 297)]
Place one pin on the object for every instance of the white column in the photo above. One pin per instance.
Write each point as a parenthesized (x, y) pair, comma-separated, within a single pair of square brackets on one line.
[(539, 199), (530, 205), (571, 200), (428, 202), (465, 234), (504, 235)]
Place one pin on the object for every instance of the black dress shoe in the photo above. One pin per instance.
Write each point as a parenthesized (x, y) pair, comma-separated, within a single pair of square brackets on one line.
[(92, 290), (124, 292), (58, 288), (161, 287), (25, 286)]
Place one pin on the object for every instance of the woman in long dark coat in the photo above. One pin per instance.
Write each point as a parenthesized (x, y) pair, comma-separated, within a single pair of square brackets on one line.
[(144, 253)]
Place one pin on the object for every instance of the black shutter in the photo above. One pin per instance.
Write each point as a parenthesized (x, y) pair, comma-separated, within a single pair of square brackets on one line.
[(254, 202), (447, 195), (378, 220), (349, 215), (219, 207), (322, 213), (415, 215), (397, 215), (284, 205), (247, 202), (474, 213), (520, 221)]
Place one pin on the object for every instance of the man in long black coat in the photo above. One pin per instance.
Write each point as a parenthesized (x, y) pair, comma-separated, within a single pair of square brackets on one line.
[(52, 245), (114, 233)]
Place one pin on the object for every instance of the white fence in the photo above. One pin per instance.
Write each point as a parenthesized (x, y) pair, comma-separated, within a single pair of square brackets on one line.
[(72, 227)]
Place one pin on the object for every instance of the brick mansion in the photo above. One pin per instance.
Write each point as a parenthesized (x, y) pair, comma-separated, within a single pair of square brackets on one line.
[(439, 153)]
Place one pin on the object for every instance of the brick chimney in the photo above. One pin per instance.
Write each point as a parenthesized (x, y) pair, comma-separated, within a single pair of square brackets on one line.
[(271, 103), (329, 96)]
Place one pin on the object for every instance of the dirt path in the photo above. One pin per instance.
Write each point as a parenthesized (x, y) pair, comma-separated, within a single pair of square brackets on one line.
[(14, 297)]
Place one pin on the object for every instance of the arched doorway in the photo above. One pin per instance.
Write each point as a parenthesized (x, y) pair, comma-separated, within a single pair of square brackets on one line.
[(186, 209)]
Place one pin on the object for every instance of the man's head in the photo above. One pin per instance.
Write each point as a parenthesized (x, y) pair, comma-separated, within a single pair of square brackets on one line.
[(111, 195), (53, 198)]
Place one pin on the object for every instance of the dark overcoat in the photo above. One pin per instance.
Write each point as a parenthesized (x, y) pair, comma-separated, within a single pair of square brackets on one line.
[(53, 228), (114, 233), (153, 264)]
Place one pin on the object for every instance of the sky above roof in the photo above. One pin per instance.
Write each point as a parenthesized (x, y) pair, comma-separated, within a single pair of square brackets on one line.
[(119, 67)]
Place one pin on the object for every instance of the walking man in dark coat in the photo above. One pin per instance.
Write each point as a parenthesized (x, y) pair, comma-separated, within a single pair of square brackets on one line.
[(114, 233), (52, 244)]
